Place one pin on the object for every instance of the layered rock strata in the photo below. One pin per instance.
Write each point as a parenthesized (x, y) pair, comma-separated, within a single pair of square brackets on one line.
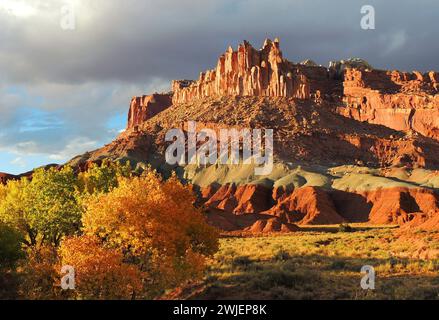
[(247, 72), (145, 107), (398, 100)]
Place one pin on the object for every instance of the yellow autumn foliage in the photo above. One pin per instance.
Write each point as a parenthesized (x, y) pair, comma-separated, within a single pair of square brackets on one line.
[(100, 272), (156, 225)]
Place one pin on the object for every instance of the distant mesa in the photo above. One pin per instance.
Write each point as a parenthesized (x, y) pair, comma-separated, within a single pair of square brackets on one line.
[(398, 100), (6, 177)]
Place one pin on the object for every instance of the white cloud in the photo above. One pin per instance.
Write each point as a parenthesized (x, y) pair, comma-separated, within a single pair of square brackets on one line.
[(20, 162), (17, 8), (73, 148)]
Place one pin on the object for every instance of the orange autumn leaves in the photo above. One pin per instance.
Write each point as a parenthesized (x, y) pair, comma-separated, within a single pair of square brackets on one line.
[(126, 237), (141, 238), (100, 272)]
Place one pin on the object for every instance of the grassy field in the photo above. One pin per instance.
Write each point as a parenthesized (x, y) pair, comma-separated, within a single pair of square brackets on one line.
[(323, 263)]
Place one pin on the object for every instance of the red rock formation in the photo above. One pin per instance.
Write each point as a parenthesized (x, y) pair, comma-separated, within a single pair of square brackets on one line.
[(401, 101), (309, 205), (252, 199), (398, 100), (401, 205), (5, 177), (279, 194), (252, 223), (208, 192), (272, 225), (224, 198), (247, 72), (425, 222), (315, 206), (239, 200), (351, 206), (146, 107)]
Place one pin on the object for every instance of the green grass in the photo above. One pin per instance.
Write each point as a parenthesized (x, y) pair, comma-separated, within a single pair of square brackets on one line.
[(323, 265)]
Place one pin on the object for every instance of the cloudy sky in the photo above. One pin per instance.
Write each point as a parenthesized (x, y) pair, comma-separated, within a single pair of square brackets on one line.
[(64, 91)]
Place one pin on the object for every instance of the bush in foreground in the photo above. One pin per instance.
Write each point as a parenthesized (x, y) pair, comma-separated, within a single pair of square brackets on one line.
[(156, 226)]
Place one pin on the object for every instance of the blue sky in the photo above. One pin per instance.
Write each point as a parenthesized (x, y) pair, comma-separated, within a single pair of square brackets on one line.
[(39, 131), (16, 162), (63, 92)]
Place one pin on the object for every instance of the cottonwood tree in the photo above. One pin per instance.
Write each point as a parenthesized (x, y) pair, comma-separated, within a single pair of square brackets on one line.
[(156, 225), (102, 178), (45, 208)]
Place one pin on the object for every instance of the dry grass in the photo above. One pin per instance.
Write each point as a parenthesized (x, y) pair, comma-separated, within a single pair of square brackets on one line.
[(323, 263)]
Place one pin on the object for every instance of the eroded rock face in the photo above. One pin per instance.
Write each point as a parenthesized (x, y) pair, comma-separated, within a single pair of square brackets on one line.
[(401, 205), (130, 145), (271, 225), (145, 107), (414, 207), (307, 205), (338, 67), (239, 199), (398, 100), (424, 222), (247, 72), (402, 101)]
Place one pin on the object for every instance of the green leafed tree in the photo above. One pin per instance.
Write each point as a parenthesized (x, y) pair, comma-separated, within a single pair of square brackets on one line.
[(10, 247), (10, 253), (45, 208), (103, 178)]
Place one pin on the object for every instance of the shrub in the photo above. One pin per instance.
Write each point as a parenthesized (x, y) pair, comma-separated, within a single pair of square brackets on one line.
[(10, 253), (10, 247), (337, 265), (344, 227), (39, 275), (241, 261), (281, 255), (284, 278)]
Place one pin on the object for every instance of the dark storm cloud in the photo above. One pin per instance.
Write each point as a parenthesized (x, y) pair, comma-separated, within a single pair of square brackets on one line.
[(139, 40), (122, 48)]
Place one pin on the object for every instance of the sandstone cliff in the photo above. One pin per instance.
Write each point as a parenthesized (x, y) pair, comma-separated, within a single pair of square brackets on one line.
[(398, 100), (247, 72), (145, 107)]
